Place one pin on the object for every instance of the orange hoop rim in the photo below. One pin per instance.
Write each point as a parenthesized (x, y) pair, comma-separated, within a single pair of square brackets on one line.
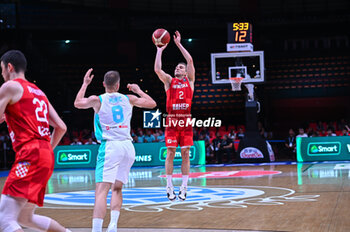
[(237, 79)]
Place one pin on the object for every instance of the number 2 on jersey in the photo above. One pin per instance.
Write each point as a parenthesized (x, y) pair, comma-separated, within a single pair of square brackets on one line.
[(118, 115), (181, 95)]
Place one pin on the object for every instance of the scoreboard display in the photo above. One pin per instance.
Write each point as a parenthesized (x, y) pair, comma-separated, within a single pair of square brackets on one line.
[(239, 37), (239, 32)]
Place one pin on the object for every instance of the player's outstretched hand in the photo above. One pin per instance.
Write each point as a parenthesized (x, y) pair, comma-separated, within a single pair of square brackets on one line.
[(162, 47), (177, 38), (133, 88), (88, 77)]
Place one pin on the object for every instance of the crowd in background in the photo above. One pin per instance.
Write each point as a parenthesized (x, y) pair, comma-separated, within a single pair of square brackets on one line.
[(220, 143), (314, 129)]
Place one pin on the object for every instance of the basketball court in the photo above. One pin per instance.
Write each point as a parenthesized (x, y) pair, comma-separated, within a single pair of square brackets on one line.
[(244, 197), (255, 193)]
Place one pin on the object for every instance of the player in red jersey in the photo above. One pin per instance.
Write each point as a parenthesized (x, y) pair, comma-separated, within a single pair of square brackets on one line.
[(28, 115), (179, 91)]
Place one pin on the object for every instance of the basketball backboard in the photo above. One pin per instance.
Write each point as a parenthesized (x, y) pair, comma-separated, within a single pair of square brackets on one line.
[(249, 65)]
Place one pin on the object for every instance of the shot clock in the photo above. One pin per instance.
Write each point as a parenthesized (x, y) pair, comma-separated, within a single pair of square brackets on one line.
[(239, 37)]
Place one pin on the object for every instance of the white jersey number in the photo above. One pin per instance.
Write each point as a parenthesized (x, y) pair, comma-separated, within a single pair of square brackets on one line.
[(181, 93), (42, 110)]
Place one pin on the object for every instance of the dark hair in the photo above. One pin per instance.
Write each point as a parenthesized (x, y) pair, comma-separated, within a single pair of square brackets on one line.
[(111, 78), (16, 58), (183, 64)]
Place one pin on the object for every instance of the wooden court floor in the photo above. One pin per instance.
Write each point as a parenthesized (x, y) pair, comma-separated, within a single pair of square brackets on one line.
[(269, 197)]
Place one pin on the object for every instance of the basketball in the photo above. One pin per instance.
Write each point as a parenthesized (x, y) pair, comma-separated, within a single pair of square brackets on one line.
[(160, 37)]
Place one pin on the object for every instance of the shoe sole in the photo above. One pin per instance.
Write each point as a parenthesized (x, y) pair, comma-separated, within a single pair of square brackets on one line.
[(174, 199), (181, 199)]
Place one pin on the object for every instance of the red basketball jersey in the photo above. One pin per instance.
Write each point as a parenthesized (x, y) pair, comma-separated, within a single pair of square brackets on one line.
[(28, 119), (179, 98)]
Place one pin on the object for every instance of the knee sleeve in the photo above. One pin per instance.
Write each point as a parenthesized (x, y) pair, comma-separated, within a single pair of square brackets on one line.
[(27, 218), (41, 222)]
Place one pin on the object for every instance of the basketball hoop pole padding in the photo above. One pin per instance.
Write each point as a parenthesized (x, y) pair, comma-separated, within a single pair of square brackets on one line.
[(250, 88), (236, 83)]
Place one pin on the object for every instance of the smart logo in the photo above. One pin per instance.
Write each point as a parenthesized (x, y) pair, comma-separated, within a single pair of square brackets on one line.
[(74, 156), (314, 149), (324, 148), (63, 157), (163, 153)]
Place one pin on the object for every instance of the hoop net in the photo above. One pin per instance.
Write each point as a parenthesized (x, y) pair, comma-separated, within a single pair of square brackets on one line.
[(236, 83)]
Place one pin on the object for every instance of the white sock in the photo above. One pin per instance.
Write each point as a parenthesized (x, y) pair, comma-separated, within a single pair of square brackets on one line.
[(169, 182), (184, 180), (97, 224), (114, 217)]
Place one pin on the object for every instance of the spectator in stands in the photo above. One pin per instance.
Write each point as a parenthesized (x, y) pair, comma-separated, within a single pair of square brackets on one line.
[(215, 145), (85, 134), (315, 134), (348, 129), (240, 134), (310, 132), (232, 135), (90, 141), (149, 137), (195, 134), (225, 147), (344, 132), (330, 132), (65, 140), (140, 136), (290, 143), (135, 139), (301, 132), (76, 142), (204, 132), (320, 126), (161, 136), (341, 124)]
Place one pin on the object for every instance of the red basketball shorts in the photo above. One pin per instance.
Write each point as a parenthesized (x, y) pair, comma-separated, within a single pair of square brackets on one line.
[(179, 136), (31, 171)]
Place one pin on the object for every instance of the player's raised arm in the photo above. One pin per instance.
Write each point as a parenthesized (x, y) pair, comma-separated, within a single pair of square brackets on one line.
[(187, 55), (81, 102), (164, 77), (59, 127), (144, 101)]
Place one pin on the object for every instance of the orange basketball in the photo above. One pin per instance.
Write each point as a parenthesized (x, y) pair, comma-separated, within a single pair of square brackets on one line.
[(160, 37)]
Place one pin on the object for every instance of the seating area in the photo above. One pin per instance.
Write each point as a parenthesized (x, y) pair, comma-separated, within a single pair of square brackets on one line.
[(308, 72)]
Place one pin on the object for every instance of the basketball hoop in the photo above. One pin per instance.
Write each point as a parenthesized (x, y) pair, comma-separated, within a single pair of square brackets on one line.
[(236, 83)]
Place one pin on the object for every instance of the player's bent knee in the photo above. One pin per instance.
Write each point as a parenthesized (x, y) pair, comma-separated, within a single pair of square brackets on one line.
[(39, 222), (117, 188), (24, 220)]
